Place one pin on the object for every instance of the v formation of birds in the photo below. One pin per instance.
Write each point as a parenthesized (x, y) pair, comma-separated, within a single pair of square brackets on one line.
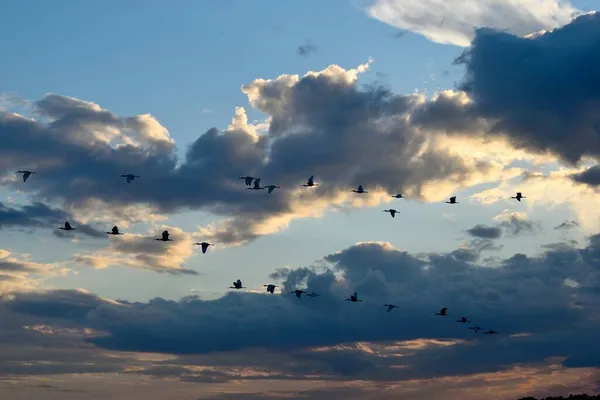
[(254, 184)]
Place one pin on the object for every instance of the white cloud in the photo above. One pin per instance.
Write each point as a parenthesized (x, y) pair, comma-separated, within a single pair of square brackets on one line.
[(453, 22)]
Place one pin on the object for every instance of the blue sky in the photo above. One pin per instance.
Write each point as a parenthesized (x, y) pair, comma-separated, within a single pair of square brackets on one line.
[(87, 71)]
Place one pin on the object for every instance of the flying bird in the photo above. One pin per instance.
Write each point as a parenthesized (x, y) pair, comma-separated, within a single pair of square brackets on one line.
[(519, 196), (247, 179), (205, 246), (399, 196), (237, 285), (452, 200), (311, 182), (130, 177), (270, 288), (353, 298), (490, 332), (271, 188), (475, 328), (114, 231), (298, 292), (463, 320), (256, 185), (390, 307), (165, 237), (313, 295), (360, 190), (67, 227), (392, 212), (26, 174), (442, 312)]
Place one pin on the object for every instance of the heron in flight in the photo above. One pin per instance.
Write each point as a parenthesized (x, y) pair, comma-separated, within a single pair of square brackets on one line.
[(270, 288), (165, 237), (204, 245), (130, 177), (390, 307), (256, 185), (353, 298), (237, 285), (392, 212), (518, 197), (67, 227), (247, 179), (452, 200), (298, 292), (114, 231), (310, 182), (26, 174), (271, 188), (442, 312), (360, 190)]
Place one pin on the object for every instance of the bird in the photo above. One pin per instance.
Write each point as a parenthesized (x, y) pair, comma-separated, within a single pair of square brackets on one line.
[(490, 332), (271, 188), (298, 292), (114, 231), (165, 237), (313, 295), (442, 312), (310, 182), (390, 307), (130, 177), (67, 227), (463, 320), (519, 196), (247, 179), (270, 288), (360, 190), (452, 200), (205, 246), (256, 185), (353, 298), (475, 328), (237, 285), (26, 174), (399, 196), (392, 212)]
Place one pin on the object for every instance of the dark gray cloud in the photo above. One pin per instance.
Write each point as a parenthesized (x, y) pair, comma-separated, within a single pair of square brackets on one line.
[(590, 176), (318, 127), (485, 232), (307, 49), (518, 294), (515, 225), (40, 215), (541, 92), (567, 225)]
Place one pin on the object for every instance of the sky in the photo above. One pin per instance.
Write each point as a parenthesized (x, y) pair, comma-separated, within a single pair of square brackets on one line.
[(428, 98)]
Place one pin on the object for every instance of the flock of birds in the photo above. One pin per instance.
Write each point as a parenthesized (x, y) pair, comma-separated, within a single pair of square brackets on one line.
[(254, 184)]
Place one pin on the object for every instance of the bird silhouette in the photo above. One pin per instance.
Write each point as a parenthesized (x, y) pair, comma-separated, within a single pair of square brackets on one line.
[(256, 185), (114, 231), (67, 227), (353, 298), (26, 174), (360, 190), (390, 307), (490, 332), (165, 237), (392, 212), (130, 177), (311, 182), (298, 292), (442, 312), (270, 288), (271, 188), (518, 197), (452, 200), (398, 196), (237, 285), (205, 246), (475, 328), (463, 320), (247, 180)]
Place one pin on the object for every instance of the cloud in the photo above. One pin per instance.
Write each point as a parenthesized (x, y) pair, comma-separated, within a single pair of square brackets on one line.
[(516, 295), (515, 223), (534, 90), (567, 225), (140, 251), (41, 215), (80, 150), (455, 22), (485, 232), (306, 49), (19, 273)]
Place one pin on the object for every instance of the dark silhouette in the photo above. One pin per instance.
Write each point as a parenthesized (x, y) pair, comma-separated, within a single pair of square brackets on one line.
[(237, 285), (165, 237), (204, 245), (298, 292), (256, 185), (311, 182), (67, 227), (519, 196), (442, 312), (353, 298), (270, 288), (114, 231), (392, 212), (360, 190), (247, 179), (582, 396), (452, 200)]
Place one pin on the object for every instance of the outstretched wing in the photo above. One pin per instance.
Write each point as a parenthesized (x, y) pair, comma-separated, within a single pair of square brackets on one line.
[(115, 230), (311, 180), (67, 225), (271, 188), (165, 235), (360, 188)]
